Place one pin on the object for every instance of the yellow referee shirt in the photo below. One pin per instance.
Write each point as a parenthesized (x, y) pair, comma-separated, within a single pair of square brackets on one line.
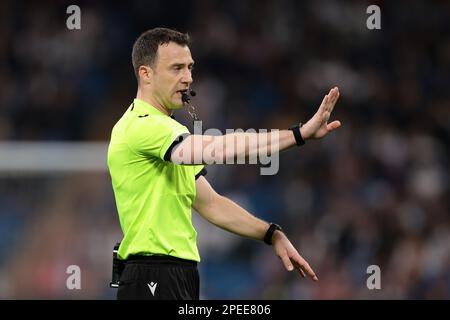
[(153, 196)]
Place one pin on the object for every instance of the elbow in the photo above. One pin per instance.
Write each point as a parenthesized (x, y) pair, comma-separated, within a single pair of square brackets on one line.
[(209, 208)]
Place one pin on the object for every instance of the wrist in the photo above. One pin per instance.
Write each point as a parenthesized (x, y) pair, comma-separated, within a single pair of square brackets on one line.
[(278, 234), (272, 233), (303, 133), (298, 135)]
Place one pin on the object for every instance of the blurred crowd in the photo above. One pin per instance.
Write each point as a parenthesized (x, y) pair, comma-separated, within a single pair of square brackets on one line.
[(375, 192)]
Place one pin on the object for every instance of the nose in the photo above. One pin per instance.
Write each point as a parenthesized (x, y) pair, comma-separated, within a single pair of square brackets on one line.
[(187, 77)]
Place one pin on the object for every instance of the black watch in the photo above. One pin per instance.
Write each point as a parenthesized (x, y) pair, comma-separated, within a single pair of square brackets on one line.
[(298, 136), (272, 228)]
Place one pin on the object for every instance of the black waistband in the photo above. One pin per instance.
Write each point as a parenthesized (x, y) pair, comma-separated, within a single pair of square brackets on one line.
[(160, 259)]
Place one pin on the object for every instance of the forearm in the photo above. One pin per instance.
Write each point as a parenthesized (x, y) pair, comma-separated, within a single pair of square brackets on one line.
[(243, 145), (206, 149), (232, 148), (229, 216)]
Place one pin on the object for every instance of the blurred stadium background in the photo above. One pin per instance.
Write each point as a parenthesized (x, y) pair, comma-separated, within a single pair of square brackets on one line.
[(374, 192)]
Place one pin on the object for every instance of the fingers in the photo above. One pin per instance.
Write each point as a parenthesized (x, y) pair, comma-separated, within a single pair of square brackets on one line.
[(301, 272), (330, 100), (324, 103), (334, 96), (287, 262), (333, 125), (327, 107), (302, 267)]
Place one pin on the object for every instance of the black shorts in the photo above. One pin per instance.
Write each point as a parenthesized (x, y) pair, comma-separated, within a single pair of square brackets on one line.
[(159, 278)]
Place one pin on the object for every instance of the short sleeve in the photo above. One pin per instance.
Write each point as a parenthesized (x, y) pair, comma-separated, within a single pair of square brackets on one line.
[(152, 136), (199, 171)]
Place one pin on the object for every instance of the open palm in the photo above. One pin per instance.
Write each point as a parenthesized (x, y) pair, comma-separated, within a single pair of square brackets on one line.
[(318, 126)]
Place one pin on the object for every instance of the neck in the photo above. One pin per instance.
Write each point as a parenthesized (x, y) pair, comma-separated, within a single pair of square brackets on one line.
[(147, 97)]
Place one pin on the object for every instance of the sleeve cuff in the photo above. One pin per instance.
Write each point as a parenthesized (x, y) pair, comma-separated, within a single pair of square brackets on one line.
[(177, 141), (203, 172)]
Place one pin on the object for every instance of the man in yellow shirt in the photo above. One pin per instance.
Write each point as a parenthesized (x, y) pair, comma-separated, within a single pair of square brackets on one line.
[(157, 173)]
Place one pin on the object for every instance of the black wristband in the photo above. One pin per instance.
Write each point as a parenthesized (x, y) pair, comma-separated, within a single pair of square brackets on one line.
[(298, 136), (269, 233)]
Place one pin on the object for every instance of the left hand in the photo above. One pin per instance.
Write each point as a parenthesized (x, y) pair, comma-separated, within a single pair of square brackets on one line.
[(318, 126), (290, 256)]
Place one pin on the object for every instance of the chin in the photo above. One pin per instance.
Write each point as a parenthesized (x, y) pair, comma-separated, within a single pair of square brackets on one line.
[(177, 105)]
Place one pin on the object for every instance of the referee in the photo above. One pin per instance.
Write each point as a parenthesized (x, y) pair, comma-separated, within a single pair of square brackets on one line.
[(155, 188)]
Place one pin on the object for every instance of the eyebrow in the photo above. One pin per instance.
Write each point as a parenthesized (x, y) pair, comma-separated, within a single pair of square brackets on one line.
[(181, 64)]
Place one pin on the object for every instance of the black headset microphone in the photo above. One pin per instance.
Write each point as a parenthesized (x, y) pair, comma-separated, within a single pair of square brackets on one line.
[(191, 109), (185, 97)]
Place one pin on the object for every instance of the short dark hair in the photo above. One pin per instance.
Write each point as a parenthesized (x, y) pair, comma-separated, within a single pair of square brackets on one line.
[(145, 49)]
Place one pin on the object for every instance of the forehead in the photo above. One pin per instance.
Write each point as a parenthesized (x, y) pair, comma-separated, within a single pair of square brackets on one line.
[(171, 52)]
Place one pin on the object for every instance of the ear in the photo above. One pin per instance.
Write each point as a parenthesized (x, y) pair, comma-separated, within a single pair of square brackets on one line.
[(145, 74)]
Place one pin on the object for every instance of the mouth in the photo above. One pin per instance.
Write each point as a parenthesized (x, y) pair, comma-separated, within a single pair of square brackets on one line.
[(183, 95), (184, 91)]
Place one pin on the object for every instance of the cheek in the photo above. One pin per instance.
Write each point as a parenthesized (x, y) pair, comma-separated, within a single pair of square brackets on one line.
[(167, 83), (161, 85)]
